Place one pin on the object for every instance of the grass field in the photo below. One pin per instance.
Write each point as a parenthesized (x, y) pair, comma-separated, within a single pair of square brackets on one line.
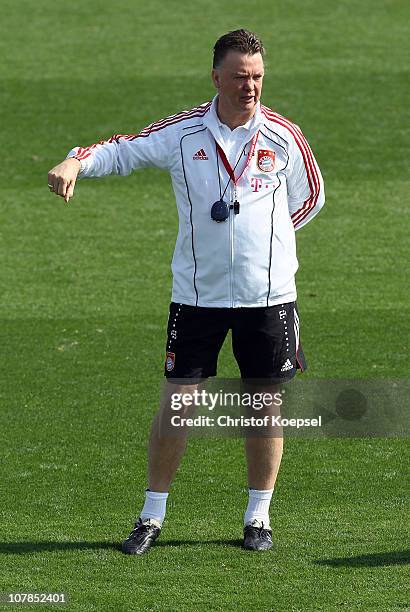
[(85, 292)]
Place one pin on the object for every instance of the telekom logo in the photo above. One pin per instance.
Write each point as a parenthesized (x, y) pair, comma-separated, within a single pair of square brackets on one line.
[(256, 184)]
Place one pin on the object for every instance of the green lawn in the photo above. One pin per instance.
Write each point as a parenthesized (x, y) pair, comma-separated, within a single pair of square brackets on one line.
[(85, 292)]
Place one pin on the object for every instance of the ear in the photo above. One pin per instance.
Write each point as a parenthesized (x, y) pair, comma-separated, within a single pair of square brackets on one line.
[(215, 77)]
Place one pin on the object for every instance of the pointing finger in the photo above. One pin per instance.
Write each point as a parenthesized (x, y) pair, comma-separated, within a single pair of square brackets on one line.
[(70, 191)]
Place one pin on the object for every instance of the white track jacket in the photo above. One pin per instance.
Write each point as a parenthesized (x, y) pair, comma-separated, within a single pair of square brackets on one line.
[(249, 260)]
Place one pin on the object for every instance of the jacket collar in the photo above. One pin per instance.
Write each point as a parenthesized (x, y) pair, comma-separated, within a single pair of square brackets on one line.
[(212, 122)]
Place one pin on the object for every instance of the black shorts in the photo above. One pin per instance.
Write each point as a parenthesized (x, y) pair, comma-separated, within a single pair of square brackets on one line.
[(265, 341)]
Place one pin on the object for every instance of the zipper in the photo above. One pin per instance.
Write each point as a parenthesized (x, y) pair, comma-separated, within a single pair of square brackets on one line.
[(231, 244)]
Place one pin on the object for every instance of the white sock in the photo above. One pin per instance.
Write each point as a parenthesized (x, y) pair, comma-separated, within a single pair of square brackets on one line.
[(154, 507), (258, 507)]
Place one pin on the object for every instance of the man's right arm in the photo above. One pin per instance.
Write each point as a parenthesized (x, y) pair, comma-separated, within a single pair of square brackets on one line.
[(121, 154)]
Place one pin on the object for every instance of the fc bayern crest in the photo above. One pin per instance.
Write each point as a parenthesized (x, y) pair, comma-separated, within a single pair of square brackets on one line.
[(170, 361), (266, 160)]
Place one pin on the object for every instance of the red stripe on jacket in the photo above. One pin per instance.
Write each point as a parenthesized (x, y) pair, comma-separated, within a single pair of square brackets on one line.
[(310, 166), (198, 111)]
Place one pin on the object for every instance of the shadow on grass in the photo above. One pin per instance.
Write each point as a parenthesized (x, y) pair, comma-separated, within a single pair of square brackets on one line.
[(396, 557), (22, 548)]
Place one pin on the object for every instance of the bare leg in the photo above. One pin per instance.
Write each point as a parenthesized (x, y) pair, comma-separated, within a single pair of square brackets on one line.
[(263, 457), (264, 454), (165, 450)]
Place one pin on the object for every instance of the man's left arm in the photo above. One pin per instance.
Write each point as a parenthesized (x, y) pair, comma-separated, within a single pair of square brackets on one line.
[(306, 194)]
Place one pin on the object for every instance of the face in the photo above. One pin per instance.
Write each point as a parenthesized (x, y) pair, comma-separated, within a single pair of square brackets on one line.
[(238, 80)]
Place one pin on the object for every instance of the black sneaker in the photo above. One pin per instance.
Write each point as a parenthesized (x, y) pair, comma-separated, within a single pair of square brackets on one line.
[(256, 537), (141, 537)]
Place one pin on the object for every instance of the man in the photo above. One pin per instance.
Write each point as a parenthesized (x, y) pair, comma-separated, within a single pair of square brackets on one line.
[(244, 179)]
